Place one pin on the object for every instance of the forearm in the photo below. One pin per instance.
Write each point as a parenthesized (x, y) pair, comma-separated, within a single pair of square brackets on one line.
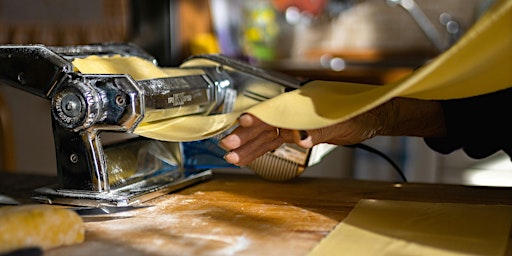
[(411, 117)]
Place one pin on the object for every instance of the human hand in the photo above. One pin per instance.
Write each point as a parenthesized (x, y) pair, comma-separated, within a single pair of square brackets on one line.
[(253, 138), (397, 117)]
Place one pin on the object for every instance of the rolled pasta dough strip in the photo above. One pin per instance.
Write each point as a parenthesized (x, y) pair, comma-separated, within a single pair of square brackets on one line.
[(479, 63), (43, 226)]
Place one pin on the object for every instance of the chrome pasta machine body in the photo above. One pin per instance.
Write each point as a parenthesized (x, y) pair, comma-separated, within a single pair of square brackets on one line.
[(100, 161)]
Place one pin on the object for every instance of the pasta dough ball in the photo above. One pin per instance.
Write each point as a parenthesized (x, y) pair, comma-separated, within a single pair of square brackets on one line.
[(43, 226)]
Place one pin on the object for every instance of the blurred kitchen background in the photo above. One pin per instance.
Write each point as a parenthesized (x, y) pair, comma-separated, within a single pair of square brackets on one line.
[(363, 41)]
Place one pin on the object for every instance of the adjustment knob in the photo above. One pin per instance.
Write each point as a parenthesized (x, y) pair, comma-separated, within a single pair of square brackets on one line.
[(76, 106)]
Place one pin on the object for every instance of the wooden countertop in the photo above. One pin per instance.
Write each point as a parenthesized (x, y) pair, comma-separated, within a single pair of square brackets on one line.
[(243, 214)]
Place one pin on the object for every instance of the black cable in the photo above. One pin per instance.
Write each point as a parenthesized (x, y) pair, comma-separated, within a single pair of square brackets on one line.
[(387, 158)]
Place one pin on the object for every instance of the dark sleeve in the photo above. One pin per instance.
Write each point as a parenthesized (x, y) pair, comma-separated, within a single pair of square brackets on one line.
[(480, 125)]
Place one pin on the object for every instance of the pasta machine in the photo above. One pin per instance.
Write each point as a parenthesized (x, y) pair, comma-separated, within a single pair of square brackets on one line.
[(100, 161)]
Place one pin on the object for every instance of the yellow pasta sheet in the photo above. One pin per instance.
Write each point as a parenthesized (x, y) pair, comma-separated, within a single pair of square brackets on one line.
[(480, 62), (380, 227)]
